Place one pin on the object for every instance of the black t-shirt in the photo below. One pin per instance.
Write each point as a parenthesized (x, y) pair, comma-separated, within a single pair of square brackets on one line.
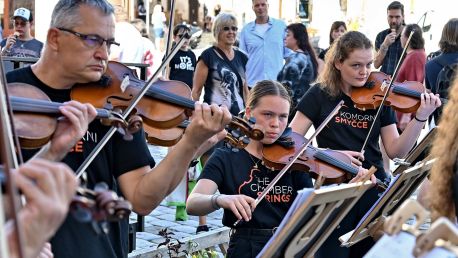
[(349, 128), (221, 85), (233, 172), (182, 67), (75, 239)]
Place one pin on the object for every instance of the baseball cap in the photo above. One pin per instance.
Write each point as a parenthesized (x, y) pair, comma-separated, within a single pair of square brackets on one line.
[(23, 13)]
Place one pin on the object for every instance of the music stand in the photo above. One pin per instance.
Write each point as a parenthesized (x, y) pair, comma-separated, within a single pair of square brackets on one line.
[(416, 152), (312, 217), (400, 189)]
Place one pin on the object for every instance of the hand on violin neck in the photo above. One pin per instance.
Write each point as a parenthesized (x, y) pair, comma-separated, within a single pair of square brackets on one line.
[(429, 103), (70, 129), (356, 157), (206, 121), (363, 175)]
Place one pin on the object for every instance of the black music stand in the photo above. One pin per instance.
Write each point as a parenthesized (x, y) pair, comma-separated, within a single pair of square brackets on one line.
[(312, 217)]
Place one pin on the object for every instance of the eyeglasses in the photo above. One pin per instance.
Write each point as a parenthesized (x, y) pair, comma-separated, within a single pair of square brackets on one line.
[(19, 23), (92, 41), (233, 28)]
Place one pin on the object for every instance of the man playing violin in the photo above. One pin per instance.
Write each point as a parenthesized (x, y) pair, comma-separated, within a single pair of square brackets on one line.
[(241, 177), (349, 65), (77, 48)]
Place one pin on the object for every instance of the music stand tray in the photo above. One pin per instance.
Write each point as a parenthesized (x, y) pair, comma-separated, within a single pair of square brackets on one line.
[(312, 217)]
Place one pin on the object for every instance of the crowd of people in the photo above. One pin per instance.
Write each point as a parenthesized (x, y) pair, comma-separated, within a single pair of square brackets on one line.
[(274, 77)]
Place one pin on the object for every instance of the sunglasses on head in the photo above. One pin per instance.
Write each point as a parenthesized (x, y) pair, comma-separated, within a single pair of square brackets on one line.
[(233, 28)]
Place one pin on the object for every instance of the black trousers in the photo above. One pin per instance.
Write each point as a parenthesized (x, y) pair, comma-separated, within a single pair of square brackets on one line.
[(247, 243)]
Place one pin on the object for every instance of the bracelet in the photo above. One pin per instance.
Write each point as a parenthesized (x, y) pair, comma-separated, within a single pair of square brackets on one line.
[(419, 120), (214, 203)]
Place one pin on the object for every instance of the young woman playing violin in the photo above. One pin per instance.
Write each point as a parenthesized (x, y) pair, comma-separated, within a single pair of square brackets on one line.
[(349, 65), (240, 177)]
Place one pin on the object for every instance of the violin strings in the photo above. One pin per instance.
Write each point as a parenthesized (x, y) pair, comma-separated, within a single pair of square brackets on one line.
[(43, 106)]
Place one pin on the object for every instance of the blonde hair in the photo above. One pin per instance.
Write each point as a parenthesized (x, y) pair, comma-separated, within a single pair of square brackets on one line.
[(222, 20), (445, 150), (330, 77), (266, 88)]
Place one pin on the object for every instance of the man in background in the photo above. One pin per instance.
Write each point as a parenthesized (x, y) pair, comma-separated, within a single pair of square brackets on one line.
[(262, 41), (21, 43)]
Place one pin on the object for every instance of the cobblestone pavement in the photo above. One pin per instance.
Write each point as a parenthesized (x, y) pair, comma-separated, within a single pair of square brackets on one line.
[(164, 217)]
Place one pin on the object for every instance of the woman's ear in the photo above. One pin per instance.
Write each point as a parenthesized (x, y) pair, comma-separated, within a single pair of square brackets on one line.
[(338, 65), (248, 113)]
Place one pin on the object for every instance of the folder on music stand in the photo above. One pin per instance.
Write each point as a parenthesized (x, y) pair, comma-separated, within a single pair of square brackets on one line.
[(400, 189), (312, 217)]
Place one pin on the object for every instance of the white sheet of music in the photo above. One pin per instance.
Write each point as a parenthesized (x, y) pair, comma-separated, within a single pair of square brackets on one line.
[(400, 245)]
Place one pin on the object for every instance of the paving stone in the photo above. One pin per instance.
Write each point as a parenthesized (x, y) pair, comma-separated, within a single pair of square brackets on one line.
[(147, 236), (185, 229), (168, 217), (140, 244)]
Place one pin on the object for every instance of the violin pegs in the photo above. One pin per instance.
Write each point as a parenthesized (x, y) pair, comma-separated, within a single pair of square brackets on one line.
[(236, 133), (245, 140), (252, 120)]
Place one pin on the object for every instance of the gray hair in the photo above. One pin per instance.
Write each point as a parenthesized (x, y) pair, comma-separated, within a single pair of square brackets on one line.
[(65, 13), (222, 20)]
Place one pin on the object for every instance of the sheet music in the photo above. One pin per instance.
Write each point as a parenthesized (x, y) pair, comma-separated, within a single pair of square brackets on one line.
[(400, 245)]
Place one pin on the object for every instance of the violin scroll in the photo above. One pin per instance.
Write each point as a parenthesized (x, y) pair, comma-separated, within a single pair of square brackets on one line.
[(99, 204), (240, 131)]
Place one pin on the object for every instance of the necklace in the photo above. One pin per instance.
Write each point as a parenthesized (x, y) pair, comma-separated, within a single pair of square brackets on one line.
[(254, 162)]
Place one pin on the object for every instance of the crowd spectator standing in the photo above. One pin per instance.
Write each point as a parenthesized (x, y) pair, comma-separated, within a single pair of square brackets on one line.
[(221, 72), (448, 45), (158, 20), (301, 67), (413, 66), (130, 49), (21, 43), (181, 68), (262, 41), (338, 28), (388, 42)]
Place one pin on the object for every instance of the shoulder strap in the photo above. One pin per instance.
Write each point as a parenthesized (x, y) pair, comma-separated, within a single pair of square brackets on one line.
[(231, 65)]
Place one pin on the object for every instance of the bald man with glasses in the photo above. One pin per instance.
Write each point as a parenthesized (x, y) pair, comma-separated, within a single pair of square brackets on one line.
[(21, 43)]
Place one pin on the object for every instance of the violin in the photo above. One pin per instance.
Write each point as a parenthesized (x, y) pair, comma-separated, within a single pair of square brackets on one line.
[(33, 109), (404, 97), (333, 166), (165, 105)]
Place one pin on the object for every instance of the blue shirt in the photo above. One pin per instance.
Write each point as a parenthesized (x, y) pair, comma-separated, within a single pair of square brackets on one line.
[(265, 52)]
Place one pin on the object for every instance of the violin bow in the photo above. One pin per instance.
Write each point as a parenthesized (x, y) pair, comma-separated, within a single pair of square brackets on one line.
[(9, 161), (295, 157), (129, 109), (395, 74), (170, 32)]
